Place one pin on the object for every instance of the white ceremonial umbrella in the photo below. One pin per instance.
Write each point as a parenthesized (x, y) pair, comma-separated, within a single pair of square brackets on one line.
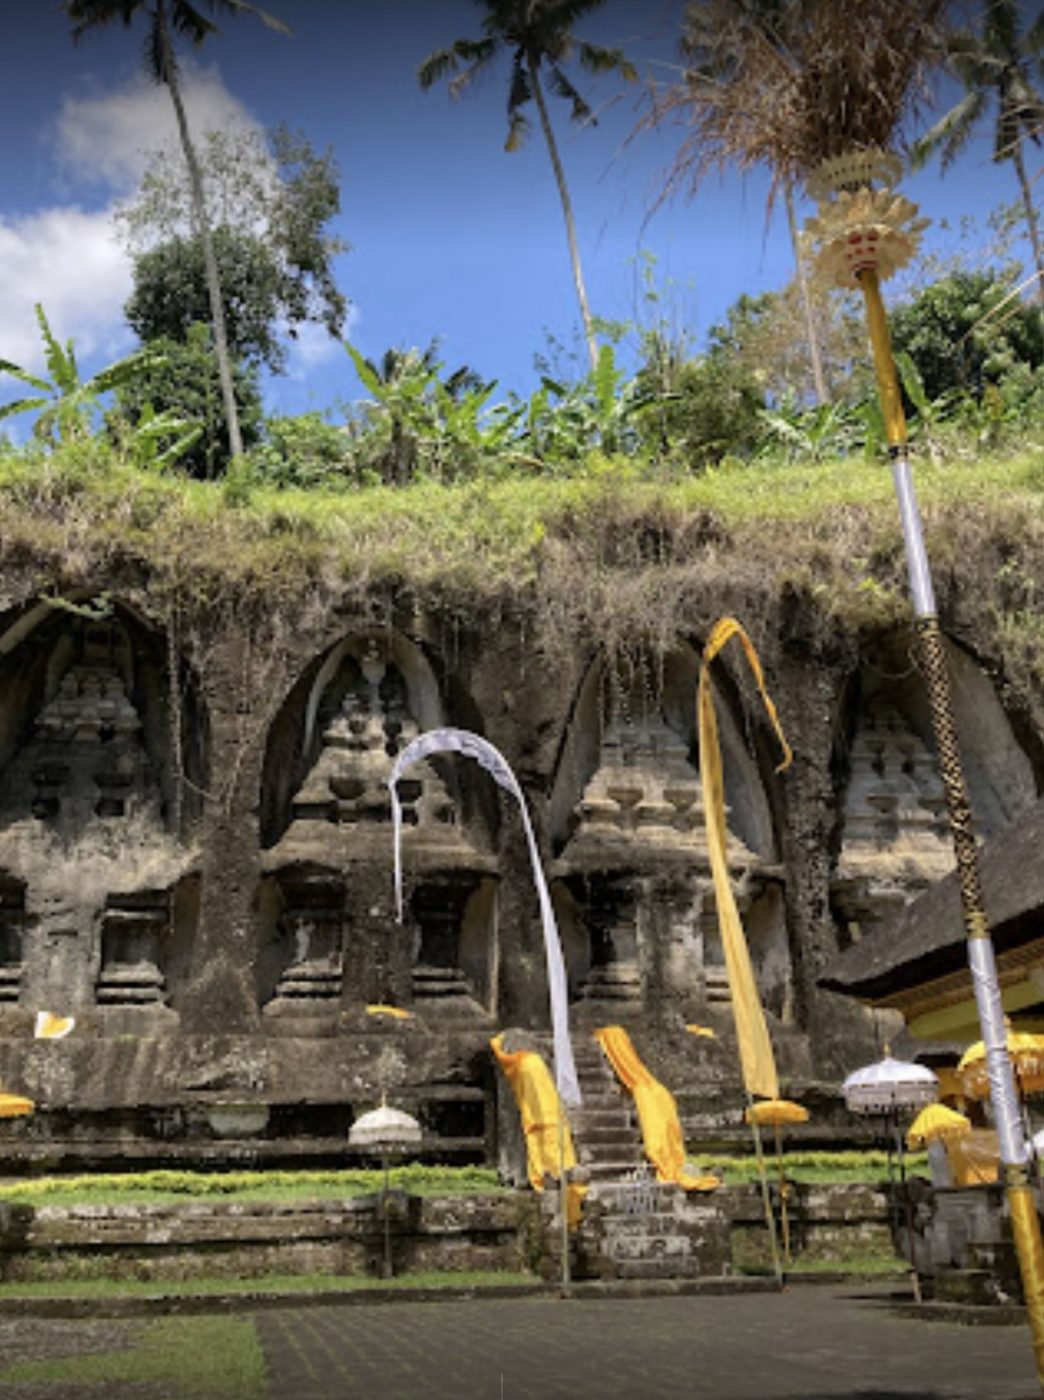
[(885, 1087), (888, 1085), (385, 1131)]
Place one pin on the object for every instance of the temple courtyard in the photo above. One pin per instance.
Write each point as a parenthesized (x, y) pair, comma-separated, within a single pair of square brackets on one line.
[(818, 1342)]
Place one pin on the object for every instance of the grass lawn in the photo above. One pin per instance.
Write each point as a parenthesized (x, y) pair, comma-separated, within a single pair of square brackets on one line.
[(184, 1358), (267, 1283), (174, 1187)]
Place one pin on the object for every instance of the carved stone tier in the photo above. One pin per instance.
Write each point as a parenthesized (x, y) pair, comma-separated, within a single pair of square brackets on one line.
[(82, 833), (440, 987), (643, 805), (893, 841), (641, 815), (340, 823)]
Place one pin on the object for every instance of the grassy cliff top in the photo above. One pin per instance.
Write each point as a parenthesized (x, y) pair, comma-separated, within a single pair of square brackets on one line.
[(613, 546)]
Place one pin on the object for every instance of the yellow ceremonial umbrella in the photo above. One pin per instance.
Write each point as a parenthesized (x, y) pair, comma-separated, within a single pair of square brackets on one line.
[(776, 1114), (936, 1123), (15, 1106), (1027, 1061)]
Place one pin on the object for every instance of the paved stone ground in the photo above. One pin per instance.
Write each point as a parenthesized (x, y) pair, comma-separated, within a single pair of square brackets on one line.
[(809, 1343), (815, 1343)]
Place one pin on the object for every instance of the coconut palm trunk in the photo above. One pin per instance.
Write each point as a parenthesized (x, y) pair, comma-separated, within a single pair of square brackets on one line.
[(814, 354), (567, 209), (199, 207), (1032, 225)]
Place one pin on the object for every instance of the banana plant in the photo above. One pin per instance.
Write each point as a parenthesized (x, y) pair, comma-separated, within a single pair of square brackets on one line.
[(65, 401)]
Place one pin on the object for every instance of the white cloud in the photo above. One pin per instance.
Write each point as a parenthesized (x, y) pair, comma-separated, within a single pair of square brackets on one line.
[(104, 140), (67, 257), (315, 347), (68, 260)]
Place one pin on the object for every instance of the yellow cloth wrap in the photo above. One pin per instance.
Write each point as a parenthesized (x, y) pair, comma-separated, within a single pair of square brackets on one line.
[(756, 1058), (884, 360), (1022, 1205), (541, 1111), (657, 1112), (380, 1008)]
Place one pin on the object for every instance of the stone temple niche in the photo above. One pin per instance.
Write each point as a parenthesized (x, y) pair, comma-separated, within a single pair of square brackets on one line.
[(894, 838), (632, 877), (88, 867), (332, 864)]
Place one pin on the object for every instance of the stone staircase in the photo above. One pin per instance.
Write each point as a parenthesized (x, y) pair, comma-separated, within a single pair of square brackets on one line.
[(634, 1227)]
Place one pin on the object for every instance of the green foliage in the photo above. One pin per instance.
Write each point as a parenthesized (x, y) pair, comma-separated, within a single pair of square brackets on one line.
[(603, 412), (67, 403), (420, 424), (269, 200), (303, 450), (176, 402), (713, 410), (965, 331)]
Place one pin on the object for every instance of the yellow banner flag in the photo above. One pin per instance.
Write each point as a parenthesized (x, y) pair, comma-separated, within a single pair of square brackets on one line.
[(756, 1058)]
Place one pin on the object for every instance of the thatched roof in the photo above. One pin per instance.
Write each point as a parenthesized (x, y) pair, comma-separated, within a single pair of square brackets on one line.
[(927, 939)]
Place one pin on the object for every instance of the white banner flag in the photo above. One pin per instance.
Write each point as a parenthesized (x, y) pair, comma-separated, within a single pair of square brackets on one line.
[(464, 742)]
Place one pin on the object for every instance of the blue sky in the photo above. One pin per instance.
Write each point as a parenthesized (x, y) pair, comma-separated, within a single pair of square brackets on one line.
[(451, 237)]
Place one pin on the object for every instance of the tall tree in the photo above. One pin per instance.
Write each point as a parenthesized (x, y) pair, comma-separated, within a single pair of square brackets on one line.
[(1003, 62), (269, 198), (167, 19), (538, 35)]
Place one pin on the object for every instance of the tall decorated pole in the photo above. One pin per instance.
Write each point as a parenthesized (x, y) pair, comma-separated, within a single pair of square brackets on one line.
[(865, 231)]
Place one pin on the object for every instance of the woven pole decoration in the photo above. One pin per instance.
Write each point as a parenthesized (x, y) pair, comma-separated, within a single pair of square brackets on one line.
[(864, 232)]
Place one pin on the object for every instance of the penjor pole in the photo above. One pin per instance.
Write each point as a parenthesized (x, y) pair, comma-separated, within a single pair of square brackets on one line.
[(866, 233)]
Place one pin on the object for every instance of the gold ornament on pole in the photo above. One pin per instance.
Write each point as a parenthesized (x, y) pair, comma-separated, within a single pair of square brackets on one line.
[(865, 232)]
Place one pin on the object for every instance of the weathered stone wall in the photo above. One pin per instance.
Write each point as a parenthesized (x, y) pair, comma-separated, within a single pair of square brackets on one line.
[(195, 857), (720, 1232), (236, 1240)]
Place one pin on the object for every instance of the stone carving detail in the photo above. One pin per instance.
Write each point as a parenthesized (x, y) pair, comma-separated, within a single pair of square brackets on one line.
[(640, 820), (82, 831), (339, 821), (894, 840)]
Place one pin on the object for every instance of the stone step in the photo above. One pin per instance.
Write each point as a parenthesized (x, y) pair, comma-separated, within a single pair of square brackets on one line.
[(599, 1116), (635, 1246), (609, 1133), (647, 1227), (615, 1170), (979, 1287), (683, 1266)]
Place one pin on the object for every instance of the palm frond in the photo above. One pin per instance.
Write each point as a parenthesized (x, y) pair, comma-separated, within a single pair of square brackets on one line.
[(597, 59), (243, 7), (518, 130), (562, 87), (789, 84), (476, 53), (519, 90), (189, 23), (949, 133)]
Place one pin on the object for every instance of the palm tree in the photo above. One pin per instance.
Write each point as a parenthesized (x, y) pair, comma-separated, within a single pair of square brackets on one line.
[(1006, 63), (537, 34), (711, 58), (166, 19)]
